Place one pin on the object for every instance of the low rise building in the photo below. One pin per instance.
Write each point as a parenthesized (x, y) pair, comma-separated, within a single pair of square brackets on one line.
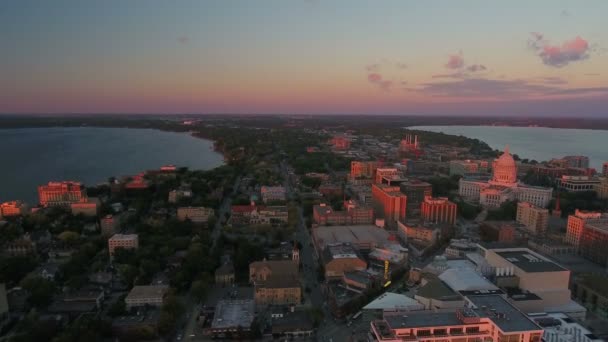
[(468, 167), (126, 241), (534, 219), (12, 208), (20, 247), (591, 290), (110, 224), (424, 233), (359, 281), (484, 318), (198, 215), (254, 214), (178, 194), (272, 193), (147, 295), (601, 189), (559, 327), (233, 319), (224, 275), (497, 231), (87, 207), (260, 271), (278, 290), (340, 258), (353, 214), (578, 183), (534, 283)]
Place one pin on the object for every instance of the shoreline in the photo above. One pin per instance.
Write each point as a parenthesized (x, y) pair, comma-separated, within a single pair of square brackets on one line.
[(505, 126), (103, 181), (537, 143)]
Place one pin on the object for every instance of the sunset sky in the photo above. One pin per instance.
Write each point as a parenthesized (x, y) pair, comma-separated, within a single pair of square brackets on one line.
[(305, 57)]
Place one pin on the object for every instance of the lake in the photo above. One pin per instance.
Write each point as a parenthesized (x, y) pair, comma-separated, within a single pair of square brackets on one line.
[(540, 143), (34, 156)]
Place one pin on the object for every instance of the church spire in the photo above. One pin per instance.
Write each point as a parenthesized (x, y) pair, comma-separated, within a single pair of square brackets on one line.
[(507, 149)]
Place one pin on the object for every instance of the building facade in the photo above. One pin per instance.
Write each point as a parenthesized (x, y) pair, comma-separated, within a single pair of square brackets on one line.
[(535, 219), (578, 183), (126, 241), (12, 208), (415, 191), (61, 193), (503, 186), (363, 169), (353, 214), (197, 215), (389, 203), (278, 290), (578, 221), (497, 231), (468, 167), (272, 193), (483, 318), (438, 210), (150, 295)]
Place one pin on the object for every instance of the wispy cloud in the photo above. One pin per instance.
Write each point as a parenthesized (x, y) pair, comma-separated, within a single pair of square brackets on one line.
[(503, 89), (377, 80), (461, 69), (559, 56), (455, 62)]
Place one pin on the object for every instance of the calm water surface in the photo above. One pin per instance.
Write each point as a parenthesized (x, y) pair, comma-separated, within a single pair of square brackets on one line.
[(538, 143), (35, 156)]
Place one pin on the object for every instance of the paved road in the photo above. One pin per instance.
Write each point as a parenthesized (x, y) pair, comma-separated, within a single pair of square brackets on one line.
[(224, 208), (329, 329), (189, 320)]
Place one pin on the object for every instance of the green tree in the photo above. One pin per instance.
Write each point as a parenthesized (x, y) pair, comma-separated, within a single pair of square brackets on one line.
[(118, 308), (41, 291)]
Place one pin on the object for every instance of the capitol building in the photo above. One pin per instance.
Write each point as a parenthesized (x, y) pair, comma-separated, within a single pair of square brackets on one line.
[(503, 186)]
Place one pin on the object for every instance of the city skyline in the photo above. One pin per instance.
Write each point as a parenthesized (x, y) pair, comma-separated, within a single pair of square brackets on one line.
[(304, 57)]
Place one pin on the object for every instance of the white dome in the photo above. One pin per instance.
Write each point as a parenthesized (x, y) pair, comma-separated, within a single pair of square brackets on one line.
[(505, 169)]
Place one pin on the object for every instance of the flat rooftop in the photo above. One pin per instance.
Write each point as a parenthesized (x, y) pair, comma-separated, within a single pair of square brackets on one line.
[(529, 261), (148, 291), (503, 314), (356, 235), (233, 313), (422, 319)]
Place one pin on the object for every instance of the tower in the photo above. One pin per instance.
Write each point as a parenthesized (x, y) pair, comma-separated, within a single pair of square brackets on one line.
[(557, 212), (295, 254)]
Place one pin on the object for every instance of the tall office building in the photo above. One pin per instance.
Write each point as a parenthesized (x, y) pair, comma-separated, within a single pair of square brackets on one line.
[(415, 191), (389, 203)]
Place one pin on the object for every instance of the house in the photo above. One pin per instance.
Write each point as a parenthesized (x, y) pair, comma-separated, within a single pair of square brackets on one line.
[(150, 295), (260, 271), (224, 275)]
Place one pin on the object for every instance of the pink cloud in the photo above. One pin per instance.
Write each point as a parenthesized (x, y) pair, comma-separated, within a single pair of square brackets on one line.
[(455, 62), (558, 56), (376, 79)]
